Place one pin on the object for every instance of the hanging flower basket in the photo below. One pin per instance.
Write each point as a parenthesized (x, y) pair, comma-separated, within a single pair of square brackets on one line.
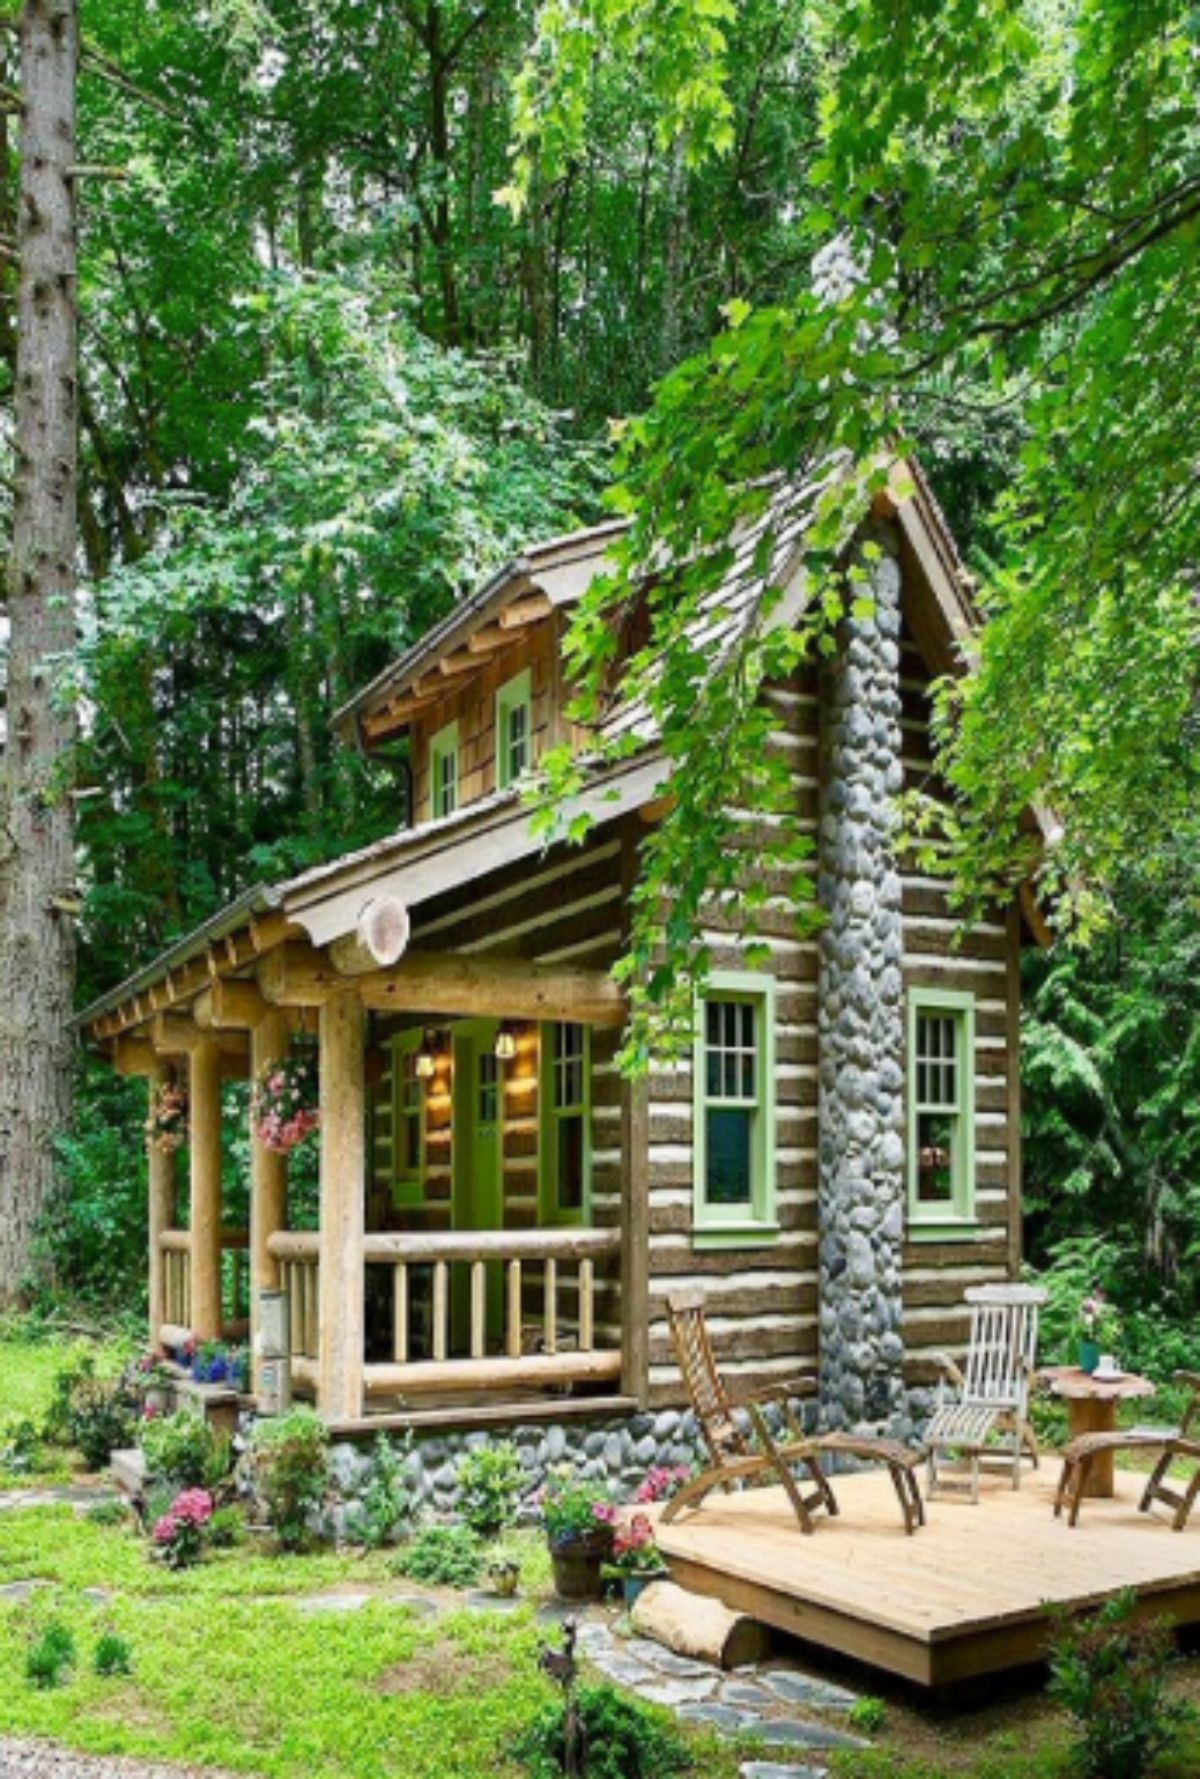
[(286, 1107), (167, 1125)]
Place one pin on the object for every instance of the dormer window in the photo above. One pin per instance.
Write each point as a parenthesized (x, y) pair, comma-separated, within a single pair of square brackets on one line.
[(443, 770), (514, 730)]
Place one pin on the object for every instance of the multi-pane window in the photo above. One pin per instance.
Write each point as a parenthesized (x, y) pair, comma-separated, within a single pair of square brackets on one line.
[(443, 770), (565, 1112), (408, 1120), (941, 1095), (514, 730), (734, 1107), (488, 1108)]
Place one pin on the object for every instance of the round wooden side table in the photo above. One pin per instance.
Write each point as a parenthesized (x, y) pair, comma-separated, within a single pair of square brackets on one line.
[(1092, 1408)]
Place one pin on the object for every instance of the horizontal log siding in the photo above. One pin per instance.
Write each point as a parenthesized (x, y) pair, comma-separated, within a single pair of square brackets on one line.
[(470, 701), (938, 953), (761, 1302)]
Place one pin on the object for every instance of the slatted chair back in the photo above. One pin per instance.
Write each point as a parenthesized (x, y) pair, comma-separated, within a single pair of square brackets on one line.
[(710, 1401), (1003, 1344)]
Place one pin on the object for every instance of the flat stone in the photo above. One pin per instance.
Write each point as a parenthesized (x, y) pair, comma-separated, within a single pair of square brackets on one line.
[(333, 1602), (591, 1635), (629, 1673), (97, 1596), (792, 1732), (420, 1605), (644, 1649), (721, 1717), (769, 1769), (20, 1590), (805, 1689), (675, 1692), (746, 1693), (485, 1602)]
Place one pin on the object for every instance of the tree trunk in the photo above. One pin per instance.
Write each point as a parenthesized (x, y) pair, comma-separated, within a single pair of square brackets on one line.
[(37, 953)]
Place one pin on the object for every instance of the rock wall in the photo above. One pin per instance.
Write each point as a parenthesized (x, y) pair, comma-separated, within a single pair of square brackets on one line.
[(861, 1021)]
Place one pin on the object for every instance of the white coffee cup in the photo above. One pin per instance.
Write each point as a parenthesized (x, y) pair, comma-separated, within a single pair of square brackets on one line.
[(1107, 1365)]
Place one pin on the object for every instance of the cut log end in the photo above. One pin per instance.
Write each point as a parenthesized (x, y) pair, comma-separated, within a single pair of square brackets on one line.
[(698, 1627)]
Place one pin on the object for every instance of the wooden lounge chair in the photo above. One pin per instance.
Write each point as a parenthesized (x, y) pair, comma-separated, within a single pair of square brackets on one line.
[(989, 1411), (1172, 1443), (737, 1458)]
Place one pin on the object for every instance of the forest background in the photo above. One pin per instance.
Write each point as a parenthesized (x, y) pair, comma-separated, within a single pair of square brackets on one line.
[(328, 381)]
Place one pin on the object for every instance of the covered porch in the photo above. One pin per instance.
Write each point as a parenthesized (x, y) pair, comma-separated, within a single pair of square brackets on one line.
[(460, 1269)]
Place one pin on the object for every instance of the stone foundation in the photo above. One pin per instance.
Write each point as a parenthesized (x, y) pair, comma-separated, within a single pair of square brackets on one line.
[(861, 1022)]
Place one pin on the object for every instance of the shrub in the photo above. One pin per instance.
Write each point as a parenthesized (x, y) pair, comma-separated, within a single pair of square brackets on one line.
[(184, 1451), (446, 1556), (623, 1739), (20, 1445), (102, 1419), (490, 1483), (50, 1656), (107, 1513), (113, 1656), (226, 1528), (387, 1506), (290, 1460), (867, 1714), (181, 1535), (77, 1369), (1111, 1674)]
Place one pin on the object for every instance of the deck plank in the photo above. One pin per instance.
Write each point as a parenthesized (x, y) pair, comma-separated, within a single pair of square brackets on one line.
[(967, 1595)]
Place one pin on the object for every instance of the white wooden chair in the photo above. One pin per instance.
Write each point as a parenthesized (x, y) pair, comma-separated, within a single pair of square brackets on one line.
[(984, 1408)]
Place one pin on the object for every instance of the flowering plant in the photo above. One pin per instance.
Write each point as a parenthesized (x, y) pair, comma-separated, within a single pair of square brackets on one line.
[(660, 1482), (575, 1510), (1098, 1318), (286, 1106), (167, 1124), (152, 1372), (634, 1549), (182, 1533)]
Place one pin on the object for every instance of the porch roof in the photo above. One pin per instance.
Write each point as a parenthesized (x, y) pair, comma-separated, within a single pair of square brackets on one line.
[(414, 864)]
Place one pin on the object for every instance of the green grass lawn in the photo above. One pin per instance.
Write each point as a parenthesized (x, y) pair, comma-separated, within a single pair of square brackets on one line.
[(230, 1670)]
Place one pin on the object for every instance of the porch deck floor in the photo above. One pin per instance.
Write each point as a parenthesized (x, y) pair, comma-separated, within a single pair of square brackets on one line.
[(965, 1596)]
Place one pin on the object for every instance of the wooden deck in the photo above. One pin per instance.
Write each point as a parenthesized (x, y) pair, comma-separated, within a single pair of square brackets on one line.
[(965, 1596)]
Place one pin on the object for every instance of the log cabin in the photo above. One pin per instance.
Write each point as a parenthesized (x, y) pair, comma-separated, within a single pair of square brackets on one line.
[(502, 1213)]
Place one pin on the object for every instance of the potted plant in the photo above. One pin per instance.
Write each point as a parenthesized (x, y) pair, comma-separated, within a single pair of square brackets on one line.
[(578, 1516), (636, 1557), (503, 1572), (286, 1105), (153, 1377), (1098, 1327)]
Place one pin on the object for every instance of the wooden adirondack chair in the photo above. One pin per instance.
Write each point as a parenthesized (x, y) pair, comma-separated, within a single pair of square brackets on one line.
[(1173, 1443), (989, 1409), (737, 1458)]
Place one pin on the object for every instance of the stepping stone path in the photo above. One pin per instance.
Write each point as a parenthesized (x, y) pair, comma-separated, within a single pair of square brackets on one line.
[(80, 1497), (760, 1702)]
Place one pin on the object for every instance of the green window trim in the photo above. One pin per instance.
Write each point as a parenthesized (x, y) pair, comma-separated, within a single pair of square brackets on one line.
[(560, 1063), (941, 1083), (720, 1225), (408, 1103), (514, 729), (443, 783)]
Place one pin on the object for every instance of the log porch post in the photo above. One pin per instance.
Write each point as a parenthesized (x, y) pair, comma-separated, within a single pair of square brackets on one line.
[(343, 1175), (204, 1068), (268, 1181), (160, 1169)]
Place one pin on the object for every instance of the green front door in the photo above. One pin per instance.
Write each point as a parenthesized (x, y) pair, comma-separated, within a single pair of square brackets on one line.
[(478, 1162)]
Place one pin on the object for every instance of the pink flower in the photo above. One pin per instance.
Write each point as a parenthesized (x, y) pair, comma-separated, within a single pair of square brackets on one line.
[(605, 1512)]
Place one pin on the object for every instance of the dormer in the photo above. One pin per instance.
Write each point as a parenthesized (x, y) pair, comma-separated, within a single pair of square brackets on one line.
[(481, 697)]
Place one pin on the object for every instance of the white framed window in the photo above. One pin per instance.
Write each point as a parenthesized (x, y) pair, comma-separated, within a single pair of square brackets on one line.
[(940, 1091), (443, 770), (565, 1149), (733, 1124), (514, 729)]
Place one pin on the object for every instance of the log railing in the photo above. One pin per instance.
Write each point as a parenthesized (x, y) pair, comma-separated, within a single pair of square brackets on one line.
[(297, 1253), (176, 1246), (466, 1306)]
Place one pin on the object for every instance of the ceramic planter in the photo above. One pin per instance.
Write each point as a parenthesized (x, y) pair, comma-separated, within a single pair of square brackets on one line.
[(1089, 1355), (577, 1563), (632, 1585), (503, 1579)]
